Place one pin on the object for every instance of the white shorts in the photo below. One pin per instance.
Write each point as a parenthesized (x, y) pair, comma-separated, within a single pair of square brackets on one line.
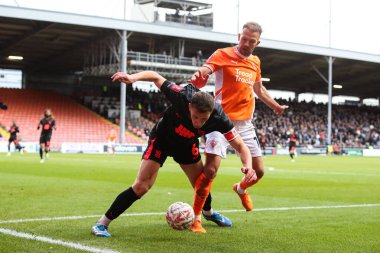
[(216, 143), (111, 144)]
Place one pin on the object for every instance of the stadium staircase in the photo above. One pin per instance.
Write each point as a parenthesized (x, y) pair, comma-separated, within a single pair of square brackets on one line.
[(75, 123)]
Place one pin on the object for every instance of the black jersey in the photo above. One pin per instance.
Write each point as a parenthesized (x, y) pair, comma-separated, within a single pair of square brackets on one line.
[(176, 124), (292, 140), (47, 125), (13, 131)]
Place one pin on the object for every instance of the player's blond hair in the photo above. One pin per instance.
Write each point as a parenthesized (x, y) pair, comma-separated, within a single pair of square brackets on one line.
[(253, 27)]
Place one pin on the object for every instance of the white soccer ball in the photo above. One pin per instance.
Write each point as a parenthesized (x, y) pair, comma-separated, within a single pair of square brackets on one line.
[(180, 215)]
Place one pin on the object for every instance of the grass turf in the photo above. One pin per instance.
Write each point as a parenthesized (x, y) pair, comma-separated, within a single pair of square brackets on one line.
[(85, 185)]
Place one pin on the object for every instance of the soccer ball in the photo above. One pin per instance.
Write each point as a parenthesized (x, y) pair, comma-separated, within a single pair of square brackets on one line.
[(180, 215)]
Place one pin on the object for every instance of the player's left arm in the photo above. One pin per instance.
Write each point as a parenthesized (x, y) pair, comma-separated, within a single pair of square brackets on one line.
[(151, 76), (54, 125), (264, 95)]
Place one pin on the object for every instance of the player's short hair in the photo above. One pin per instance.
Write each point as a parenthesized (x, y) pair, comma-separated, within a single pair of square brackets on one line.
[(202, 102), (253, 27)]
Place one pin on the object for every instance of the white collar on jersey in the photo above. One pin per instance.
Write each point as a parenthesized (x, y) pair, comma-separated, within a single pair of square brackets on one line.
[(238, 53)]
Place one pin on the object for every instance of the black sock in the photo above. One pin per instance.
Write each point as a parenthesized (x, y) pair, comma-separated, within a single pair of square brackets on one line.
[(207, 205), (121, 203), (41, 153)]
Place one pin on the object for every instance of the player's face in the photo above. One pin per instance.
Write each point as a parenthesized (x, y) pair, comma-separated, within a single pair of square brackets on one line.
[(248, 40), (47, 113), (198, 118)]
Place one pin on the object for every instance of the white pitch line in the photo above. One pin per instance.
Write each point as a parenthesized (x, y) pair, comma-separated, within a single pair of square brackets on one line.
[(163, 213), (304, 208), (54, 241)]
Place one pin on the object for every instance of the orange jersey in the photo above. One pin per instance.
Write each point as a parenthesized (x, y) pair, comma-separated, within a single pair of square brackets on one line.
[(112, 136), (235, 76)]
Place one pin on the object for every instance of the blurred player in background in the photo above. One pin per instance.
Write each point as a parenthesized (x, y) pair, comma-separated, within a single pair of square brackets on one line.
[(191, 115), (237, 81), (292, 140), (263, 142), (3, 106), (13, 130), (47, 124), (111, 141)]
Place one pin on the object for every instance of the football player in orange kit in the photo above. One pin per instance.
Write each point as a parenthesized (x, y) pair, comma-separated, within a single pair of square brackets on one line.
[(111, 141), (237, 81)]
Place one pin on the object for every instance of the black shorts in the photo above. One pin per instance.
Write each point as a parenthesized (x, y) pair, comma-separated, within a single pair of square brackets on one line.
[(292, 148), (12, 139), (160, 148), (45, 139)]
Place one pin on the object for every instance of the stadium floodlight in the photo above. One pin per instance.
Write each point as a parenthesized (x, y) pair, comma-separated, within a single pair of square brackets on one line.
[(15, 58), (337, 86), (265, 79)]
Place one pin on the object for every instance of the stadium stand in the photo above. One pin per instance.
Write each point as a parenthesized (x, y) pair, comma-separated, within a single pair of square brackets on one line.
[(75, 123), (352, 125)]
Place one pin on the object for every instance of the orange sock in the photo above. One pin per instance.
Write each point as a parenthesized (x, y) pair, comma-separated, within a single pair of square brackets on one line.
[(244, 185), (201, 190)]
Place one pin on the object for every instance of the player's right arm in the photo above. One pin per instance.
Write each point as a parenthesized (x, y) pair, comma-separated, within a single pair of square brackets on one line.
[(199, 78), (150, 76)]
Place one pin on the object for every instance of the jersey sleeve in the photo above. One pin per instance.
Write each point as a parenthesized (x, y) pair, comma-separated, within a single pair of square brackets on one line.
[(172, 92), (225, 125), (215, 61)]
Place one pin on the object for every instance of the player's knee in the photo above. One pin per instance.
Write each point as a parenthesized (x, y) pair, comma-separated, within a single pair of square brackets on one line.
[(140, 188), (210, 172)]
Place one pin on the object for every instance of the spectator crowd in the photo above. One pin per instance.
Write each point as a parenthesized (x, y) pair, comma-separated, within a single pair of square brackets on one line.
[(352, 125)]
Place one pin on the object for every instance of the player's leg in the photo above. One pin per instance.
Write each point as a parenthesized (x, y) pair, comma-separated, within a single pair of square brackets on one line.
[(47, 146), (17, 145), (201, 190), (9, 146), (248, 135), (216, 149), (42, 147), (144, 181)]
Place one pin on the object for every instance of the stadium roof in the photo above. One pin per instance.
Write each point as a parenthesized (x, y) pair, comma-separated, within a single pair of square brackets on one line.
[(54, 41)]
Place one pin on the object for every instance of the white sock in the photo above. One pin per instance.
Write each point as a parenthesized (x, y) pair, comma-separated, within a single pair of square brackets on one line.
[(240, 190), (198, 217), (208, 213)]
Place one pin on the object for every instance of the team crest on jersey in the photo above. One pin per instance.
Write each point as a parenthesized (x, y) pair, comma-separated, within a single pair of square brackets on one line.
[(175, 87), (213, 143)]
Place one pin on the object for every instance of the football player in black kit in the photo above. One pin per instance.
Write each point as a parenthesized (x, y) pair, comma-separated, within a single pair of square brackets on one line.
[(191, 115), (292, 145), (13, 130), (47, 124)]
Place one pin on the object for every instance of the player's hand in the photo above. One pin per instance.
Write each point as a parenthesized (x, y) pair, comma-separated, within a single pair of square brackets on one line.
[(250, 174), (122, 77), (280, 109), (198, 80)]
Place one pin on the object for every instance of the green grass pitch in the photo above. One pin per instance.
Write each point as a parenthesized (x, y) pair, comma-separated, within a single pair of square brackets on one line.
[(316, 204)]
